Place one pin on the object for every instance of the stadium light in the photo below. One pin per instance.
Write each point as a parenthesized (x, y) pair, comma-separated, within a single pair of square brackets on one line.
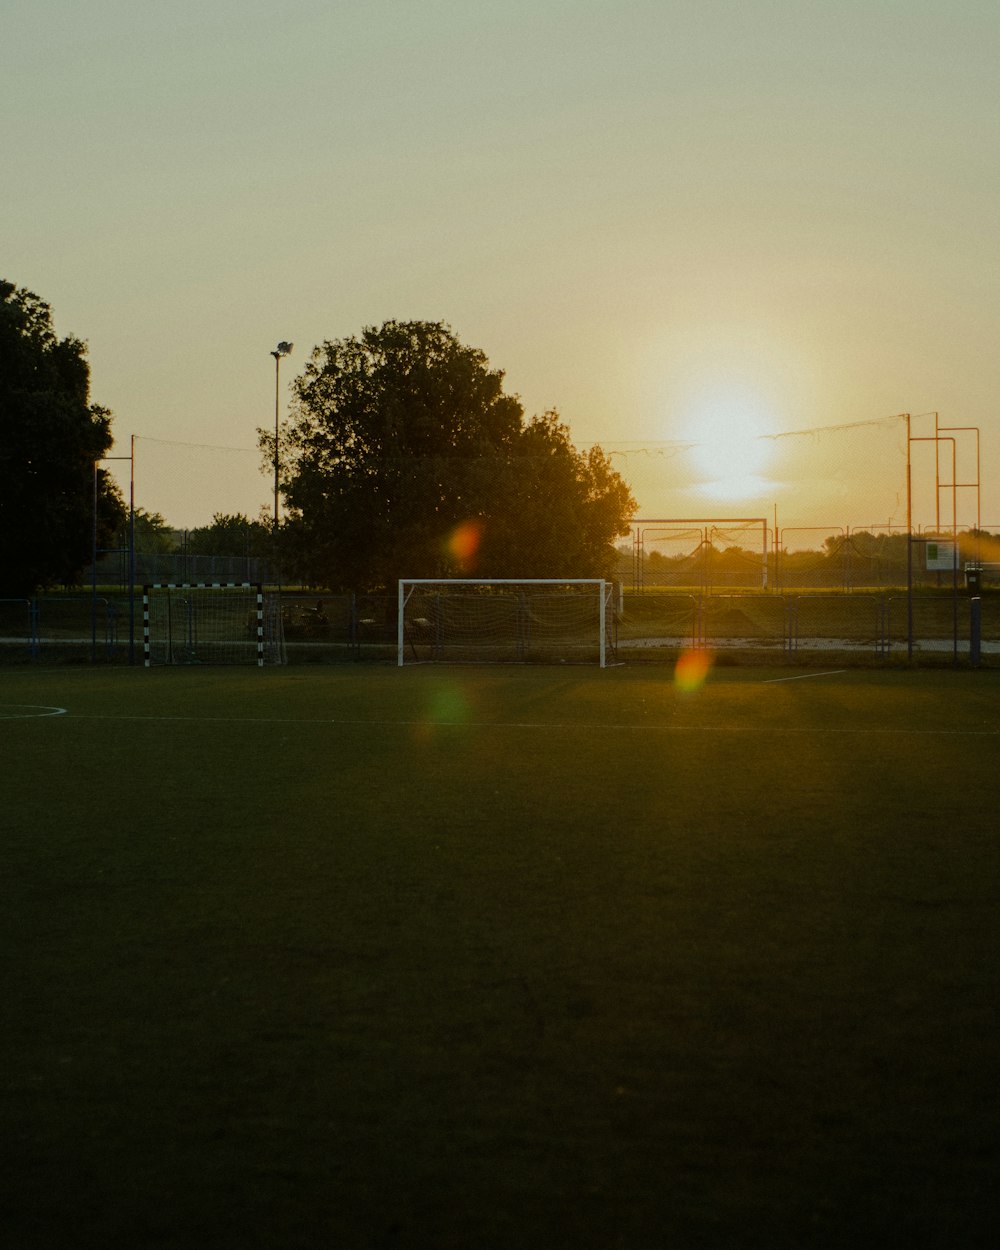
[(283, 349)]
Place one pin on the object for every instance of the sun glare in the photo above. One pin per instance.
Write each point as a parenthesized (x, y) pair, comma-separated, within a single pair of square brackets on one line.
[(729, 451)]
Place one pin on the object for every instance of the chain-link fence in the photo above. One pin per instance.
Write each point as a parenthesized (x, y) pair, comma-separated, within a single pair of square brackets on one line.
[(313, 628)]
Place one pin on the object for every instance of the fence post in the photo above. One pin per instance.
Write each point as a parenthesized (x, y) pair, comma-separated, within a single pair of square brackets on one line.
[(34, 646)]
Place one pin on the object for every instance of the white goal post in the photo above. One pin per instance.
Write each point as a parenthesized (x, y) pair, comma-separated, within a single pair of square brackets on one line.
[(502, 620), (203, 623)]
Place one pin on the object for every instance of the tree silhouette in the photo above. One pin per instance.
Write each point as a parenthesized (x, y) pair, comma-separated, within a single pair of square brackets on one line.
[(51, 437)]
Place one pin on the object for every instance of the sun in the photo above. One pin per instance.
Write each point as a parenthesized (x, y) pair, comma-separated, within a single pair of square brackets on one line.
[(730, 453)]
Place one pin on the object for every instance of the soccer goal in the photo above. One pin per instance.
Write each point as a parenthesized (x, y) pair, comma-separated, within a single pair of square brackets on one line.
[(203, 623), (543, 621)]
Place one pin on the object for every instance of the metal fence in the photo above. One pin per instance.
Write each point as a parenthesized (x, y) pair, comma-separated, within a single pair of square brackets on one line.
[(66, 628), (876, 626), (112, 569), (303, 628)]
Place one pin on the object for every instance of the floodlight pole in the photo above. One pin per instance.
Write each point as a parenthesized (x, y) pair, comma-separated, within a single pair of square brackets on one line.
[(283, 349)]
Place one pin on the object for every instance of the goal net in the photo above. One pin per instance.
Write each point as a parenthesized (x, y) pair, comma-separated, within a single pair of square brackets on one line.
[(502, 621), (708, 553), (221, 623)]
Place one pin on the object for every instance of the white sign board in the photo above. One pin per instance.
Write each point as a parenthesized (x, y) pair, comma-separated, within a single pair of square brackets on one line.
[(942, 555)]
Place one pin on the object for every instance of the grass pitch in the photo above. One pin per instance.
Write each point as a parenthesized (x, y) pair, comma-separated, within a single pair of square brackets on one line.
[(492, 958)]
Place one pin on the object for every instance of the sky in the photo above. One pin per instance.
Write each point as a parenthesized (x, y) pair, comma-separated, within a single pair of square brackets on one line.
[(727, 241)]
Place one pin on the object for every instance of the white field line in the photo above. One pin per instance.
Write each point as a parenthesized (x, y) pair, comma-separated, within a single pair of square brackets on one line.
[(545, 726), (28, 711), (833, 672)]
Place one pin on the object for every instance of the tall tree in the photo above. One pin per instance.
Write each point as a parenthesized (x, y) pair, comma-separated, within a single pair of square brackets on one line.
[(403, 456), (51, 437)]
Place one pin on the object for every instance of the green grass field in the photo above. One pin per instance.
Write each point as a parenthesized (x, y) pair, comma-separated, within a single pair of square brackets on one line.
[(539, 958)]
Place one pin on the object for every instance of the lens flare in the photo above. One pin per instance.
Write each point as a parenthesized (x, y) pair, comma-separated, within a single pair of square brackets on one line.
[(463, 543), (691, 670), (445, 712), (448, 706)]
